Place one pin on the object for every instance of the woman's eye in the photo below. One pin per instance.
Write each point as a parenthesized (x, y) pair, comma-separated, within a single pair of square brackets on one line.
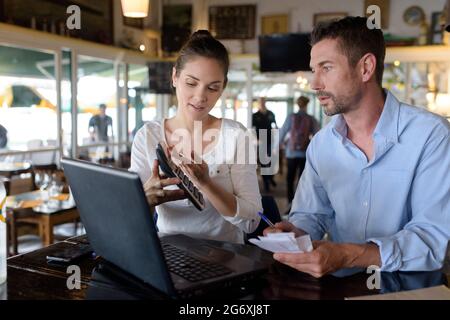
[(213, 89), (191, 84)]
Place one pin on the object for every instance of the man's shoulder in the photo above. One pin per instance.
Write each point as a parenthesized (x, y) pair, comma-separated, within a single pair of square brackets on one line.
[(421, 120), (94, 119)]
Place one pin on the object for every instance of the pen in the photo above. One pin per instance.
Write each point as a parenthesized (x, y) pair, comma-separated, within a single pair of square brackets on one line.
[(266, 219)]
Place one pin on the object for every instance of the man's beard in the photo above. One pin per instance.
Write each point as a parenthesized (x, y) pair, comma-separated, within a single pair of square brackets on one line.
[(339, 105)]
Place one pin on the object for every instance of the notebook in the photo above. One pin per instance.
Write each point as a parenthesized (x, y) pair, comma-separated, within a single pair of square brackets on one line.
[(120, 228)]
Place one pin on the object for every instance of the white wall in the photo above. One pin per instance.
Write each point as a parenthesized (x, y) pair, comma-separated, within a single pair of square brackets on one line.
[(301, 14)]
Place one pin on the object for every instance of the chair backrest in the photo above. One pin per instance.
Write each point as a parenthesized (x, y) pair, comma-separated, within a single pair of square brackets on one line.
[(44, 157), (34, 143), (271, 211)]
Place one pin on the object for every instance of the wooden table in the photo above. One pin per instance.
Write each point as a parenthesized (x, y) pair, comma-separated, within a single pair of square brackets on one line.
[(11, 169), (14, 168), (30, 277), (58, 210)]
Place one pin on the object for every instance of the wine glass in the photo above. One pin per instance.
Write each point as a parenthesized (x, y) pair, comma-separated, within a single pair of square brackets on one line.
[(44, 187), (38, 179)]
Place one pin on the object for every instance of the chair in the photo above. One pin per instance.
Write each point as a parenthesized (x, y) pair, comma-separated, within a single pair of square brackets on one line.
[(44, 157), (270, 210), (22, 217)]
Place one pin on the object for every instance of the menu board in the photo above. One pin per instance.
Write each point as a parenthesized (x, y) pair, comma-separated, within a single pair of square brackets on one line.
[(159, 75), (232, 22)]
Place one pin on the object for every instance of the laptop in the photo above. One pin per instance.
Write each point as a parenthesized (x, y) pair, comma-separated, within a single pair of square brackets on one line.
[(120, 227)]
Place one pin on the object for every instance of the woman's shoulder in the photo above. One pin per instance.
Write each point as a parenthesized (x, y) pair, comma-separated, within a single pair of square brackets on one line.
[(151, 129), (232, 124)]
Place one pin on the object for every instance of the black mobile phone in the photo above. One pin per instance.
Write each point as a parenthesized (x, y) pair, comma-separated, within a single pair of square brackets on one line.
[(172, 170), (70, 254)]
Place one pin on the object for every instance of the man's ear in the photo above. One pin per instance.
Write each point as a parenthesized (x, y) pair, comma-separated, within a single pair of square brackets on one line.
[(368, 65), (174, 77)]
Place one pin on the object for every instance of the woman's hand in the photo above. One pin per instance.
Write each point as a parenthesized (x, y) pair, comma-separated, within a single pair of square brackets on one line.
[(197, 172), (154, 188)]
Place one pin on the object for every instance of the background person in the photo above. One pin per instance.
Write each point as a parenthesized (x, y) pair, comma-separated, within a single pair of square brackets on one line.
[(264, 119), (301, 127), (100, 125), (3, 137)]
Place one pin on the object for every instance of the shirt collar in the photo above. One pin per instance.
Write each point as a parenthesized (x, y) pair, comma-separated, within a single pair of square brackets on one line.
[(339, 126), (387, 125)]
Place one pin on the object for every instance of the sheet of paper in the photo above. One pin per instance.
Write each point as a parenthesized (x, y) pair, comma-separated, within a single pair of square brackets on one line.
[(284, 242)]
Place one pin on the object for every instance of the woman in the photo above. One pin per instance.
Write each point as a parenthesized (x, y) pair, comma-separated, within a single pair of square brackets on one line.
[(230, 189)]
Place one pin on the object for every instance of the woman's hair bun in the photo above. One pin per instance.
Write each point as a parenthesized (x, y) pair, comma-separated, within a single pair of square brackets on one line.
[(201, 34)]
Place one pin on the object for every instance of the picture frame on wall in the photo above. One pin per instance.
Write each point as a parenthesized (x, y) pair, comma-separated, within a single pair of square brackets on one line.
[(436, 28), (275, 24), (176, 27), (328, 16), (384, 6), (50, 16), (232, 22)]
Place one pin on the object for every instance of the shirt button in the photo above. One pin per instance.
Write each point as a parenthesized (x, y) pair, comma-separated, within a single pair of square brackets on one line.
[(365, 204)]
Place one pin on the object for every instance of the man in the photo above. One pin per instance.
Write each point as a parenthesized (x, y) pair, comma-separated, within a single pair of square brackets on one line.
[(263, 120), (3, 137), (301, 126), (377, 178), (99, 125)]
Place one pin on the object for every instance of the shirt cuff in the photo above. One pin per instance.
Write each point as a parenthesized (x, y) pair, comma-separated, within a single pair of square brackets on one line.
[(246, 213), (310, 227), (391, 256)]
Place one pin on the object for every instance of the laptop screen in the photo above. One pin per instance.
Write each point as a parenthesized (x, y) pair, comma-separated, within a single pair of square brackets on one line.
[(118, 220)]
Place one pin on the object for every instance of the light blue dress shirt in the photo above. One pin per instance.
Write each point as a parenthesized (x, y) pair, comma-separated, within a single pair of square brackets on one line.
[(400, 200)]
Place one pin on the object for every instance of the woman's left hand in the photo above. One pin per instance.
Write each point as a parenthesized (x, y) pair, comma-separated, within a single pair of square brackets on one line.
[(197, 171)]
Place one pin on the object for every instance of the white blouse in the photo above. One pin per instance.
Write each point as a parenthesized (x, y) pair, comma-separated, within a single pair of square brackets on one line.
[(236, 177)]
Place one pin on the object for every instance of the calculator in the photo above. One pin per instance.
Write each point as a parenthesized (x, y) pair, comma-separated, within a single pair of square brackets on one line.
[(173, 171)]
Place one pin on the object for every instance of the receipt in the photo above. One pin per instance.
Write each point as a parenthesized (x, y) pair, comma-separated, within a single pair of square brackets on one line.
[(283, 242)]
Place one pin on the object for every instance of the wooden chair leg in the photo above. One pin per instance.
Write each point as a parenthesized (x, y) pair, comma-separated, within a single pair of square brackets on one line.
[(12, 237)]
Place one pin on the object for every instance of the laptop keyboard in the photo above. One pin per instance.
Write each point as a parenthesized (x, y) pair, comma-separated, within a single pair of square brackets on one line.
[(190, 268)]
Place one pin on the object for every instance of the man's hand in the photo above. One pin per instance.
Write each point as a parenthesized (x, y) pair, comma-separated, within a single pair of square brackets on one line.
[(328, 257), (284, 226)]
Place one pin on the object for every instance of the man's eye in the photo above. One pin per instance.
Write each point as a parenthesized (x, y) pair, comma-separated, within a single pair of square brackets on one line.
[(327, 68)]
